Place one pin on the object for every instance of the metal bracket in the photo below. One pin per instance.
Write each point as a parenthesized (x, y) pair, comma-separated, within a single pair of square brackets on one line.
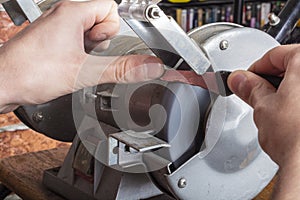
[(140, 141), (163, 35), (106, 98), (126, 148), (22, 10)]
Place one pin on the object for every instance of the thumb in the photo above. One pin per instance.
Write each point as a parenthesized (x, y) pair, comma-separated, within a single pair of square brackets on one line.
[(249, 86), (117, 69), (134, 68)]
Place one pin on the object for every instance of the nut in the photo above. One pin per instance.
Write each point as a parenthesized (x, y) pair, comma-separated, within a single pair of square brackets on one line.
[(182, 183)]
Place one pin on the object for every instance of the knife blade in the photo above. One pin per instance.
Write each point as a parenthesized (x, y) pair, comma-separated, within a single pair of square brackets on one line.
[(215, 82)]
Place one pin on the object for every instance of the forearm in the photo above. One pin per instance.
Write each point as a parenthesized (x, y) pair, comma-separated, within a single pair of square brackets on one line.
[(6, 88), (288, 185)]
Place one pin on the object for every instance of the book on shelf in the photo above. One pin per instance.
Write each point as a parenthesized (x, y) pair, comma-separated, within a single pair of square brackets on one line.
[(200, 17), (184, 17), (255, 13), (265, 10)]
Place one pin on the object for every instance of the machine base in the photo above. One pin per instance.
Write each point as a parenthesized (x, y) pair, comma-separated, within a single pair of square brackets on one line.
[(60, 187)]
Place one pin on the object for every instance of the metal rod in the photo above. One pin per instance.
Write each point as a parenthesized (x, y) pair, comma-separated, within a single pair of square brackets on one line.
[(289, 16)]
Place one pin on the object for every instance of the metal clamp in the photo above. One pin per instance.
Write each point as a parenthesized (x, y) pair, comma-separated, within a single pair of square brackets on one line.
[(22, 10), (126, 148), (163, 35)]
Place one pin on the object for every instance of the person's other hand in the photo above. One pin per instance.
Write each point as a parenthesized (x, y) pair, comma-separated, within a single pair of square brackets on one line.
[(276, 112), (48, 59)]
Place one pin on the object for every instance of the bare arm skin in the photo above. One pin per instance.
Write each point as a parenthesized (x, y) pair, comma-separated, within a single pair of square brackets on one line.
[(48, 59)]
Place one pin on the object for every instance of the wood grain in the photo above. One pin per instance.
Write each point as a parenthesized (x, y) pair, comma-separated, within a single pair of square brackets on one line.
[(23, 173), (266, 194)]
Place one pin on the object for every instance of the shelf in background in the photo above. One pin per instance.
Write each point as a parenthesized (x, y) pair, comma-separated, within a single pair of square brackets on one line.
[(206, 3), (254, 13)]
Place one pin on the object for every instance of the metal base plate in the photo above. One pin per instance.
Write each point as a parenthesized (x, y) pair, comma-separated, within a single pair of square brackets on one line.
[(60, 187)]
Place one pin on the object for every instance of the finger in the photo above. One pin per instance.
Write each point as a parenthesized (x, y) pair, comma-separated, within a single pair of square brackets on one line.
[(101, 46), (103, 19), (95, 46), (274, 61), (100, 32), (249, 86), (103, 31), (134, 68), (104, 27), (123, 69), (107, 28), (90, 14)]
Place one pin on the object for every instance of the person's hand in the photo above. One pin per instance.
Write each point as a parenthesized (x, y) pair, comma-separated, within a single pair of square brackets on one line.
[(48, 59), (276, 112)]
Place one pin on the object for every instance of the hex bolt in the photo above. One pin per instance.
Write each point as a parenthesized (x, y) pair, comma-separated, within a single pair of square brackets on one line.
[(154, 13), (182, 183), (37, 116), (90, 96), (273, 19), (224, 45)]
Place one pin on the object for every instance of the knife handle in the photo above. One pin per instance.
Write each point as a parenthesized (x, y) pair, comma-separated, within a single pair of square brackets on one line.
[(222, 77), (274, 80)]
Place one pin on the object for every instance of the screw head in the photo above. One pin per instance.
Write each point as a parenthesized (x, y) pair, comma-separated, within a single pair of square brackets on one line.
[(90, 97), (37, 116), (154, 13), (273, 19), (182, 183), (224, 45)]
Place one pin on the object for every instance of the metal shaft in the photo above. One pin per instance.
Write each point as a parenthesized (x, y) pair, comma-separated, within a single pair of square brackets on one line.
[(289, 16)]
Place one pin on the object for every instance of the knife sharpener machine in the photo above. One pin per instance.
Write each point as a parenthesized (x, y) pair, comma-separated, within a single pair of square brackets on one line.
[(139, 141)]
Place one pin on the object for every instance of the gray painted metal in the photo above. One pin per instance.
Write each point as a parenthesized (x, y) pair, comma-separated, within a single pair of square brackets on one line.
[(233, 165)]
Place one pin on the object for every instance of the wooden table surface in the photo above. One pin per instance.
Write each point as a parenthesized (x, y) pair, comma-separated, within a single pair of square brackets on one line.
[(23, 174)]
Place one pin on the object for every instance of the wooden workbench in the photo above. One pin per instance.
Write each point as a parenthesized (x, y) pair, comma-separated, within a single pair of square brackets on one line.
[(23, 174)]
